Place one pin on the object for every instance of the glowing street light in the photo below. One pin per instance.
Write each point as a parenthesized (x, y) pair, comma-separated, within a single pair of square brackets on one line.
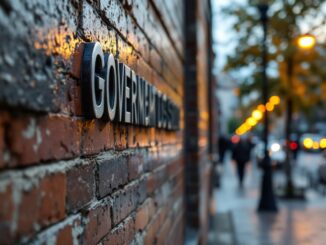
[(275, 100), (322, 143), (308, 143), (306, 41), (261, 108), (256, 114), (251, 121), (269, 106)]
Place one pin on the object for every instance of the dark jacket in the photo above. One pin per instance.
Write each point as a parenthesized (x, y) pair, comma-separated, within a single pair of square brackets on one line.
[(241, 152)]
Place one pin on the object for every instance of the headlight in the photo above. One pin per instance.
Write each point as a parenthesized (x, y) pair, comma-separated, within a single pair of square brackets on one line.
[(275, 147), (308, 143)]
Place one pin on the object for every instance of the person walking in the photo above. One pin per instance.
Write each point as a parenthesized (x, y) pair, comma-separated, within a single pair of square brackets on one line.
[(223, 146), (241, 155)]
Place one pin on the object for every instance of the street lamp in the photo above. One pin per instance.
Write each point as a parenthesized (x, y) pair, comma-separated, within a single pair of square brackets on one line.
[(305, 42), (267, 200)]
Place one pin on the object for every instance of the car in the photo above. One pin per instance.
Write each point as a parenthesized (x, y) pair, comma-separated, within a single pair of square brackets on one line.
[(276, 150), (313, 142)]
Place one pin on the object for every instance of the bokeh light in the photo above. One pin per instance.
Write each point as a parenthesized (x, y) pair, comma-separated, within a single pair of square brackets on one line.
[(306, 41), (275, 100), (257, 114), (308, 143)]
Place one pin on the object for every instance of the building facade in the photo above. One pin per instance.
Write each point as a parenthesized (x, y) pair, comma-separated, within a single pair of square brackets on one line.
[(71, 176)]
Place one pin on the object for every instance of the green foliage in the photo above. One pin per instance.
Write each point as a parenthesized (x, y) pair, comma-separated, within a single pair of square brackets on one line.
[(233, 124), (285, 18)]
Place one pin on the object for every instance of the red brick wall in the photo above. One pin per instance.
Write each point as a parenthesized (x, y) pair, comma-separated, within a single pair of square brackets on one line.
[(198, 111), (64, 178)]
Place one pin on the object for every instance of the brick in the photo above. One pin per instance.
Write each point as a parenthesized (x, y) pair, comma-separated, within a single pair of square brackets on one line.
[(6, 214), (3, 123), (66, 235), (112, 173), (153, 160), (150, 184), (80, 187), (163, 234), (97, 136), (141, 191), (65, 232), (138, 137), (34, 139), (151, 230), (175, 166), (126, 200), (97, 223), (95, 29), (120, 136), (43, 205), (135, 166), (156, 179), (176, 235), (162, 195), (122, 234), (144, 214), (36, 86), (74, 101), (178, 190)]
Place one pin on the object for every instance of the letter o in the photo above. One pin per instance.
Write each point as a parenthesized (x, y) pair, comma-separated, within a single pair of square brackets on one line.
[(111, 87)]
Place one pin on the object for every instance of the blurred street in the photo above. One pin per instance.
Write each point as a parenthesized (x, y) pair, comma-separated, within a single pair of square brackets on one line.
[(297, 222)]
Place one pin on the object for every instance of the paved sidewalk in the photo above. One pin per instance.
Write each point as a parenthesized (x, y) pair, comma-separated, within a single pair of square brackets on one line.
[(297, 222)]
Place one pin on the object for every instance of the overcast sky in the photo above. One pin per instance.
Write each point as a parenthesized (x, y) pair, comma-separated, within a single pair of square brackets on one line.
[(222, 33)]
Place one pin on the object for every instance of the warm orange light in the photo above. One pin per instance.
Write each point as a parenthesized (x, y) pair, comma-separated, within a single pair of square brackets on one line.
[(247, 126), (241, 130), (257, 114), (56, 41), (251, 121), (315, 145), (275, 100), (269, 106), (322, 143), (306, 41), (261, 108), (308, 143)]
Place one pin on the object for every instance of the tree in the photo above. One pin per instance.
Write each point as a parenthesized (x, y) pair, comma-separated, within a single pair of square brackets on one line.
[(298, 76), (286, 16)]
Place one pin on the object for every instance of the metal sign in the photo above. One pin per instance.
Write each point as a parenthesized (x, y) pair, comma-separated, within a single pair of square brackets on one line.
[(113, 91)]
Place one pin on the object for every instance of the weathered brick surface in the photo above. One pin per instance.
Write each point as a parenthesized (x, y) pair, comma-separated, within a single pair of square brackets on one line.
[(135, 166), (112, 173), (126, 200), (30, 201), (80, 187), (122, 234), (6, 214), (143, 214), (97, 223), (33, 139), (44, 204), (67, 231)]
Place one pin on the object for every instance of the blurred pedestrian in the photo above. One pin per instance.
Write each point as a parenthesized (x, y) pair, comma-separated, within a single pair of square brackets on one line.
[(223, 146), (241, 155)]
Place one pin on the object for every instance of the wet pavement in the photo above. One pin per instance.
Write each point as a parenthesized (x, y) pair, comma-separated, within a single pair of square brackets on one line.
[(297, 222)]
